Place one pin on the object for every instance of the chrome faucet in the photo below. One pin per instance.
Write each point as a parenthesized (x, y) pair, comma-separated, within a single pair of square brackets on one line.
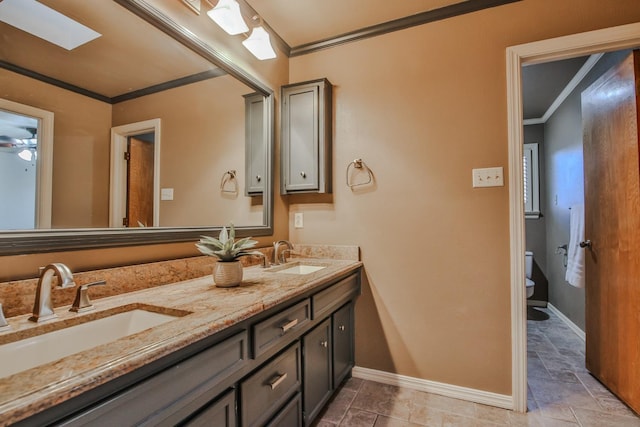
[(276, 246), (42, 306)]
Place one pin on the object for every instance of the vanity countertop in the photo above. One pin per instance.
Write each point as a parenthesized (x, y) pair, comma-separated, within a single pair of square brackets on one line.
[(211, 309)]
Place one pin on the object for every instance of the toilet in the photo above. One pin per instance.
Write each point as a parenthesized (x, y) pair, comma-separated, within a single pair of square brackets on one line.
[(528, 259)]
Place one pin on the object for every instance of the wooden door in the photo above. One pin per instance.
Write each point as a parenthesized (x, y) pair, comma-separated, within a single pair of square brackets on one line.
[(612, 224), (139, 183)]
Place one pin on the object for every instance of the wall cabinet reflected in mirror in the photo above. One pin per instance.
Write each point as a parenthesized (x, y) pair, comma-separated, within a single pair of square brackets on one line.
[(132, 73)]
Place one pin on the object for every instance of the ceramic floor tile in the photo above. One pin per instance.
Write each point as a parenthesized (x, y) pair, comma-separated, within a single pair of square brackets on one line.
[(359, 418), (338, 406), (383, 421), (383, 404), (591, 418)]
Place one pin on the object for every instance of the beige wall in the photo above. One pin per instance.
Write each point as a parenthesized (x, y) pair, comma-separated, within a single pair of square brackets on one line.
[(422, 107), (202, 136), (80, 185)]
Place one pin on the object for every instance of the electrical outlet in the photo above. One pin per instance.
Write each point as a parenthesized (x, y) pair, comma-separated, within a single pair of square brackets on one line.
[(488, 177), (298, 220)]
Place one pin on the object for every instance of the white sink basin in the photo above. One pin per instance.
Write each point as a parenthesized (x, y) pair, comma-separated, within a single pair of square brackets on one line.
[(34, 351), (301, 269)]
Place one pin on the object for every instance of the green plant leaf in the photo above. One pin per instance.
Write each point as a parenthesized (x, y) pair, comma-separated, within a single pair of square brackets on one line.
[(225, 247), (224, 236)]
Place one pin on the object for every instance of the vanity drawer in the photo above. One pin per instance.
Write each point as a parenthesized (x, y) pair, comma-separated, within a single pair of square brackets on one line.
[(173, 394), (264, 392), (273, 330), (324, 302), (290, 415)]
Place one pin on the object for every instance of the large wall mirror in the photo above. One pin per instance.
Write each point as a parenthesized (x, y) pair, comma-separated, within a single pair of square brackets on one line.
[(144, 134)]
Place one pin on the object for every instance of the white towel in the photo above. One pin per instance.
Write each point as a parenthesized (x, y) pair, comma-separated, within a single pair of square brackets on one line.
[(575, 254)]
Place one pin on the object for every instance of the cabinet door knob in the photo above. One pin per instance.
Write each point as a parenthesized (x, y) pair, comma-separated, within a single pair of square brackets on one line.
[(341, 328), (324, 343), (303, 174), (258, 178)]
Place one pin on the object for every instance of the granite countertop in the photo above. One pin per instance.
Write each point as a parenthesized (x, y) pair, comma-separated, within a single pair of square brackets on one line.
[(205, 310)]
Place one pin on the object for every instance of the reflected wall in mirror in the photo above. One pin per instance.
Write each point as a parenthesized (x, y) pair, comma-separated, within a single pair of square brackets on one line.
[(133, 73)]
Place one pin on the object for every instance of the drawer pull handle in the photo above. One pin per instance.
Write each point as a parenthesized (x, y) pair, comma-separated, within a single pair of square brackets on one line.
[(277, 381), (341, 328), (324, 344), (289, 325)]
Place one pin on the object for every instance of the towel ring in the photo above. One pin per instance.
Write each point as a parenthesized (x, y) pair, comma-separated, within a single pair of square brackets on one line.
[(229, 176), (358, 164)]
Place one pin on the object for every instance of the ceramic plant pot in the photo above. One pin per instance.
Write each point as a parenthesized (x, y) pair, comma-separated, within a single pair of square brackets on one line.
[(227, 274)]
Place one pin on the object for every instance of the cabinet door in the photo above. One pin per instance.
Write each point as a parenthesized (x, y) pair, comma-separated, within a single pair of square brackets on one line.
[(343, 343), (221, 413), (317, 370), (255, 140), (306, 137), (300, 131)]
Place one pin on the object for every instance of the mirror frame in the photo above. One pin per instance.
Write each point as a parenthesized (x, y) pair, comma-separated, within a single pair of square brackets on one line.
[(51, 240)]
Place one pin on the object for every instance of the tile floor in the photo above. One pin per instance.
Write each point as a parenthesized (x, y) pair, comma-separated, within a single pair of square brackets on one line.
[(561, 393)]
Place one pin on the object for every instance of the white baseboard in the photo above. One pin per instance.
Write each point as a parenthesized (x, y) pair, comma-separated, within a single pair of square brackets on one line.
[(456, 392), (579, 332)]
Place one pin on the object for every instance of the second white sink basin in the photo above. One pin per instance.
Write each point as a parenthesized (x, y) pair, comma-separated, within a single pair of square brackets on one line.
[(301, 269), (38, 350)]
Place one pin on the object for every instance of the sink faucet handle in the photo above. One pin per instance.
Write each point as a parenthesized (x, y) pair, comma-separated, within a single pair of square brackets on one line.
[(3, 322), (265, 260), (82, 302)]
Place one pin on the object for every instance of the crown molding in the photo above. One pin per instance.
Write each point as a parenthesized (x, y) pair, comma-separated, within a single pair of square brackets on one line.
[(446, 12), (573, 83)]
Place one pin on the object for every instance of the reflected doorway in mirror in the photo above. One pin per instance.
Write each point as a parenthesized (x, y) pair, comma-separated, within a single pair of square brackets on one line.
[(135, 175), (26, 147)]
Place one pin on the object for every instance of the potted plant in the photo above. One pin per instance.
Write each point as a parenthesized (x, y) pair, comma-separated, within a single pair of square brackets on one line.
[(227, 272)]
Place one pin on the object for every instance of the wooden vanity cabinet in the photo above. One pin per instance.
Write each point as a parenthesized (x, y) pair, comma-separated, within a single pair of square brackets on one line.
[(277, 368), (306, 131)]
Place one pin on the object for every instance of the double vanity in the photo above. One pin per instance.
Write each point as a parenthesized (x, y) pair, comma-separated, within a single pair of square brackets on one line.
[(269, 352)]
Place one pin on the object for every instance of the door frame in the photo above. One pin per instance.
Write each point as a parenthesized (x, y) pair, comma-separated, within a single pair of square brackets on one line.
[(604, 40), (44, 162), (118, 169)]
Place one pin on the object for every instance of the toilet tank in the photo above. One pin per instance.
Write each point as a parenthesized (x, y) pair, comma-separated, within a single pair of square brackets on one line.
[(528, 263)]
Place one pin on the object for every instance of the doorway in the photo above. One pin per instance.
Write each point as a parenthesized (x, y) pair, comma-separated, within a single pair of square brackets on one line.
[(29, 133), (134, 199), (617, 38)]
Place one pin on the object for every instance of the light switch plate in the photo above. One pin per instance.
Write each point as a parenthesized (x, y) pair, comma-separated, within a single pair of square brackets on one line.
[(298, 220), (488, 177), (166, 194)]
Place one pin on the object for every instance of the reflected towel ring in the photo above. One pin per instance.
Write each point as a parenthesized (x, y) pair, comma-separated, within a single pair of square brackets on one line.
[(229, 176), (358, 164)]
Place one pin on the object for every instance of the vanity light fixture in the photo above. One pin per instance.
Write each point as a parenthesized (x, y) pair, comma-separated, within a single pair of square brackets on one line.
[(259, 44), (228, 16), (44, 22)]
